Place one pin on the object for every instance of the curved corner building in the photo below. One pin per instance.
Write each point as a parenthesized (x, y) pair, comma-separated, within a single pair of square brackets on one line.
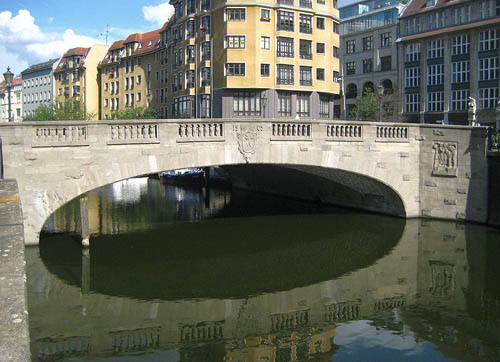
[(252, 59)]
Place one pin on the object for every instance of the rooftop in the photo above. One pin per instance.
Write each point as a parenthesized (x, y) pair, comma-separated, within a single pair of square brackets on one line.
[(420, 6), (36, 67)]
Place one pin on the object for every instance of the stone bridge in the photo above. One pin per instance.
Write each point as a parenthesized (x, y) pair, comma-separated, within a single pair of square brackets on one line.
[(408, 170)]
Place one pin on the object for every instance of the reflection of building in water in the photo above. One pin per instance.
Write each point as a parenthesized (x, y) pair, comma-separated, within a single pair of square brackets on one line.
[(434, 283), (138, 204)]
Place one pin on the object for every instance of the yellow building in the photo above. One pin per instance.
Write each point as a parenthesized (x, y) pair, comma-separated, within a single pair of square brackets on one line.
[(128, 73), (76, 77), (252, 59)]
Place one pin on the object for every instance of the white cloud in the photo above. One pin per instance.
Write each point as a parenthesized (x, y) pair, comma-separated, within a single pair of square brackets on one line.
[(158, 14), (23, 42), (51, 19)]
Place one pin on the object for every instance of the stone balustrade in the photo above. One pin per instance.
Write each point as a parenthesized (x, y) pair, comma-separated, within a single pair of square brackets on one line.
[(344, 132), (291, 131), (342, 311), (201, 132), (60, 136), (392, 134), (135, 340), (289, 321), (202, 331), (133, 133)]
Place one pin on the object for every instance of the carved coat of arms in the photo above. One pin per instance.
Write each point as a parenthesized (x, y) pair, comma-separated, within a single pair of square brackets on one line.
[(445, 159), (247, 140)]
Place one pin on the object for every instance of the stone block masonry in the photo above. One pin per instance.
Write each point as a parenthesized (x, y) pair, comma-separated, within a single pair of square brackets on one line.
[(14, 335)]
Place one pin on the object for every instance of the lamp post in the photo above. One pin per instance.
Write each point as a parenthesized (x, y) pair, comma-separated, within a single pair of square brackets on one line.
[(380, 93), (9, 76)]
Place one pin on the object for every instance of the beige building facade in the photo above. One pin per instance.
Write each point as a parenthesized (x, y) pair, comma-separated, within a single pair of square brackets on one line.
[(249, 59), (75, 77)]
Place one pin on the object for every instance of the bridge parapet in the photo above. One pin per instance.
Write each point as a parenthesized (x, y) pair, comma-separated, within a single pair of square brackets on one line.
[(435, 171)]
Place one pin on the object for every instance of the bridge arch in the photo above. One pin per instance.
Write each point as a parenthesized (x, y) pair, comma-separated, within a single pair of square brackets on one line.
[(384, 161)]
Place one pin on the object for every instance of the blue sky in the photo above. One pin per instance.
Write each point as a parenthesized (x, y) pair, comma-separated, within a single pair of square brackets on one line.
[(33, 31)]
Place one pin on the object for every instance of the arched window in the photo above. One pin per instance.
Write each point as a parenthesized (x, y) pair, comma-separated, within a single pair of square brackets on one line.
[(351, 91), (388, 89), (368, 86)]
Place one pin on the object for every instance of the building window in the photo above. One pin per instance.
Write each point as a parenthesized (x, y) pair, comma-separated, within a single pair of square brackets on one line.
[(460, 71), (205, 105), (320, 23), (205, 50), (284, 47), (367, 65), (335, 52), (246, 104), (368, 43), (412, 52), (350, 68), (235, 69), (435, 49), (488, 40), (284, 104), (235, 14), (320, 48), (305, 24), (336, 28), (412, 77), (265, 42), (305, 75), (460, 44), (488, 68), (459, 100), (205, 77), (303, 105), (284, 74), (336, 77), (320, 74), (484, 11), (462, 15), (435, 101), (265, 15), (435, 74), (305, 49), (324, 106), (430, 3), (190, 77), (285, 20), (385, 63), (265, 70), (350, 46), (235, 41), (488, 98)]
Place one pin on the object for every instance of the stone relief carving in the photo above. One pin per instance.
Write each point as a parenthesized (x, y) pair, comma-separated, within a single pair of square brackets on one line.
[(445, 159), (247, 139)]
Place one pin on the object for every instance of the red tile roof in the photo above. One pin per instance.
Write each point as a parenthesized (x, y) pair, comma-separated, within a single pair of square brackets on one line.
[(76, 51), (17, 81), (418, 6), (116, 45)]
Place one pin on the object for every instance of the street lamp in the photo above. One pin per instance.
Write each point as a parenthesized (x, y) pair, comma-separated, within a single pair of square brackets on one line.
[(380, 93), (9, 76)]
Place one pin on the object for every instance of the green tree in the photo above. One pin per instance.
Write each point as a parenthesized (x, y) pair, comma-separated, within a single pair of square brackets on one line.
[(70, 110), (134, 113), (367, 107)]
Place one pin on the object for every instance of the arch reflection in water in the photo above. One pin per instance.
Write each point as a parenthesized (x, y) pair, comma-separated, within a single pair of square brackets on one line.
[(432, 295)]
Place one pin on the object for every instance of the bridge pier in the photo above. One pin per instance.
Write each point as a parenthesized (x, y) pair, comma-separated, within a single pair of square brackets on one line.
[(84, 221)]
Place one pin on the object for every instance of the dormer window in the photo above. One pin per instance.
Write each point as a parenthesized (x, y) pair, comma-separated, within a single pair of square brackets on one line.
[(430, 3)]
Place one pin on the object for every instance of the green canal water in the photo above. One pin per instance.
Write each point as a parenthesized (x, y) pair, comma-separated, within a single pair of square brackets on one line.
[(190, 274)]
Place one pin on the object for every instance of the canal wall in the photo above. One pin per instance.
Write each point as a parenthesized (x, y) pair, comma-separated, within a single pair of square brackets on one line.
[(14, 339), (494, 188)]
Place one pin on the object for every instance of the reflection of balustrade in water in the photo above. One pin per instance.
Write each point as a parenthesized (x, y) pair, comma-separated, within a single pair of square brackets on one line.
[(135, 340), (389, 303), (342, 311), (288, 321), (200, 132), (202, 331), (57, 348)]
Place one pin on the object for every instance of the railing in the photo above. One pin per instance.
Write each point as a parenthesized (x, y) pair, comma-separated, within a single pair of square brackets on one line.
[(343, 311), (307, 56), (284, 81), (135, 340), (291, 131), (389, 304), (133, 133), (289, 321), (305, 4), (285, 2), (392, 134), (305, 29), (201, 132), (306, 82), (56, 349), (344, 132), (60, 136)]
